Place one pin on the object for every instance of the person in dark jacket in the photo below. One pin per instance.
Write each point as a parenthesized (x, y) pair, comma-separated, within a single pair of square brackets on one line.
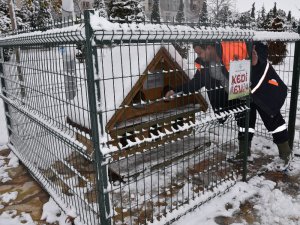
[(267, 89)]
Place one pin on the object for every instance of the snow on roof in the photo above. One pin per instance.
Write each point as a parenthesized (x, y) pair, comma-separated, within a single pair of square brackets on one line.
[(120, 68)]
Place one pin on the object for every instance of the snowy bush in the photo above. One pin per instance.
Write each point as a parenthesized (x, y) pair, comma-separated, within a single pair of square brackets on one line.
[(126, 11)]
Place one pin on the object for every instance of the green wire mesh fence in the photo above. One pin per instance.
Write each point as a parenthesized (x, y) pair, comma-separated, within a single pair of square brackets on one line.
[(88, 115)]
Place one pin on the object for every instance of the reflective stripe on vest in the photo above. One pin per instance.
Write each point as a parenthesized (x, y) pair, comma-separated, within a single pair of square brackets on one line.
[(250, 130), (261, 79), (279, 129)]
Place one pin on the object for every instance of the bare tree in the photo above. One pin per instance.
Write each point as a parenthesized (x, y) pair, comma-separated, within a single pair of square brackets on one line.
[(217, 7)]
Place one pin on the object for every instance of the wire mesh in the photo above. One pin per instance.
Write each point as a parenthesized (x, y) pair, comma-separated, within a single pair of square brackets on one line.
[(164, 155), (44, 85)]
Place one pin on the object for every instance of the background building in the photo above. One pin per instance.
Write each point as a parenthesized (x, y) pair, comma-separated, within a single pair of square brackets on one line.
[(169, 9)]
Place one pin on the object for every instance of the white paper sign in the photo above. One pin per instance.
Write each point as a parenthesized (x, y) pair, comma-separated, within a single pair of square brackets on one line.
[(239, 79)]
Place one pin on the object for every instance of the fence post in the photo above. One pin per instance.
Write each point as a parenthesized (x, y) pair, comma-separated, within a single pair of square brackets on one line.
[(294, 93), (247, 119), (101, 171), (3, 86)]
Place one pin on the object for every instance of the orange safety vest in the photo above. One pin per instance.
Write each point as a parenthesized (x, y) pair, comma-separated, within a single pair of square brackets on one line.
[(231, 50)]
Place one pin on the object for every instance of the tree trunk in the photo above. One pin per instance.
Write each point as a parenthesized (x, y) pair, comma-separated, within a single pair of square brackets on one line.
[(12, 15)]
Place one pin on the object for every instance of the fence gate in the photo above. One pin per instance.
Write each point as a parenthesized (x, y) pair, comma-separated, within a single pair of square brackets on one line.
[(87, 114)]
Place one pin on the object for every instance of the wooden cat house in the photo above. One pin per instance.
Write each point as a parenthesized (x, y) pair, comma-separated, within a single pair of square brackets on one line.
[(133, 81)]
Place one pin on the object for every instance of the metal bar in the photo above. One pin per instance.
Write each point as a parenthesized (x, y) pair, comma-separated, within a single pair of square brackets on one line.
[(101, 171), (247, 119), (294, 93), (54, 132), (3, 86)]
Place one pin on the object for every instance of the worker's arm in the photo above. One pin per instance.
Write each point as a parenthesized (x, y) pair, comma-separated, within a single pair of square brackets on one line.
[(191, 86)]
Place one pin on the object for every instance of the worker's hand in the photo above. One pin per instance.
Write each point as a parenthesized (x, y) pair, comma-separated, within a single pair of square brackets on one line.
[(254, 57), (169, 94)]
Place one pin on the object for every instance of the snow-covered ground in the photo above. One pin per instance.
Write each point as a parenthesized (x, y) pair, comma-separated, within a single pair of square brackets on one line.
[(268, 201), (271, 202), (51, 212)]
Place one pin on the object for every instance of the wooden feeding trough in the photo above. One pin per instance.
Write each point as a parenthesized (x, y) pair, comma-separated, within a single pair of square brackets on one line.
[(133, 82)]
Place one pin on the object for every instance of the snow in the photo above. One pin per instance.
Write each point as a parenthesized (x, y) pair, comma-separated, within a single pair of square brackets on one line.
[(268, 198), (52, 213), (13, 162), (273, 206), (120, 67), (70, 33), (275, 36), (9, 196), (159, 32), (65, 202), (11, 218)]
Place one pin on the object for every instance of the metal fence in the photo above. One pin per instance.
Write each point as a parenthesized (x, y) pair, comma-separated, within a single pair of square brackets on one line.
[(87, 114)]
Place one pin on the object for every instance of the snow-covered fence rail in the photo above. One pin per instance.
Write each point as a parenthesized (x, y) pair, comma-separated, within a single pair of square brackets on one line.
[(62, 35), (118, 124)]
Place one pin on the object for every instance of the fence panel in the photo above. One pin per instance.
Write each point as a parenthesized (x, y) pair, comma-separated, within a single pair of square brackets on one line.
[(165, 156), (90, 113), (44, 83)]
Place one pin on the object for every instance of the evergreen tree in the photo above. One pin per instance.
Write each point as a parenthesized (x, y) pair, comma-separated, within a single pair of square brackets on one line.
[(34, 8), (261, 17), (294, 25), (109, 7), (275, 10), (263, 12), (126, 11), (289, 17), (203, 18), (22, 17), (99, 5), (277, 49), (5, 23), (181, 47), (253, 10), (224, 14), (180, 14), (245, 19), (155, 13), (281, 14), (44, 18)]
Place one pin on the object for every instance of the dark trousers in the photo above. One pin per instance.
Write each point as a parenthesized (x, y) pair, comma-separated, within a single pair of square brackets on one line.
[(275, 125)]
